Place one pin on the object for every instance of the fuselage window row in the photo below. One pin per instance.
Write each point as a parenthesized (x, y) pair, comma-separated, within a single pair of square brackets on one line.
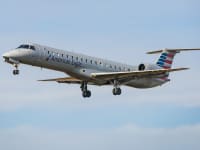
[(91, 61)]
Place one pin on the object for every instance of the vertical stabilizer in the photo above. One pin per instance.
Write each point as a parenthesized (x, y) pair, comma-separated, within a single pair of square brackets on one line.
[(166, 59)]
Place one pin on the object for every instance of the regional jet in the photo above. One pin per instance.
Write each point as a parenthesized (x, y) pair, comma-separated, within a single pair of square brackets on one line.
[(86, 70)]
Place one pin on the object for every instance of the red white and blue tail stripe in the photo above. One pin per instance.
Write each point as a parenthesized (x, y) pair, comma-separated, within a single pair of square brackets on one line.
[(166, 59)]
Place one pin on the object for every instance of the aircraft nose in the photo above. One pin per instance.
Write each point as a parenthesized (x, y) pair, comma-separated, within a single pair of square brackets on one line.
[(16, 54), (10, 54), (6, 55)]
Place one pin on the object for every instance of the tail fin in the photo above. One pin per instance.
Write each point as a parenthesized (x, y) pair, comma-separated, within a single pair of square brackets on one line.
[(166, 59), (167, 56)]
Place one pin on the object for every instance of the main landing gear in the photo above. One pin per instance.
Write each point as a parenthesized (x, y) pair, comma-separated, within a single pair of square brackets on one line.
[(116, 90), (15, 71), (85, 92)]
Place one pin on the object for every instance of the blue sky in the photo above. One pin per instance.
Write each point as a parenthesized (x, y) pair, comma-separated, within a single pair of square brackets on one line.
[(51, 116)]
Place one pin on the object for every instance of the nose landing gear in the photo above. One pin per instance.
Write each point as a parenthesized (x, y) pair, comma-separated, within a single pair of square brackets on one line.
[(15, 71)]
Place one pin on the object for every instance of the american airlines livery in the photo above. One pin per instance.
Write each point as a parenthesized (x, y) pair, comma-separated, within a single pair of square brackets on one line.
[(86, 70)]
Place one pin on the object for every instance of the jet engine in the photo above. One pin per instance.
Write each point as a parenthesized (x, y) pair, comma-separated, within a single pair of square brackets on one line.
[(141, 67)]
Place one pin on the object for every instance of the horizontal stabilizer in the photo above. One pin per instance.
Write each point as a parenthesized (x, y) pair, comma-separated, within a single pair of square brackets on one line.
[(177, 50)]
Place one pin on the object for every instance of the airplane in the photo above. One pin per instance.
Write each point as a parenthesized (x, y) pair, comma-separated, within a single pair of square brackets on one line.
[(86, 70)]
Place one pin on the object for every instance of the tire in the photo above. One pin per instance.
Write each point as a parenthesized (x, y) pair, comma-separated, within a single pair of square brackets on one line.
[(119, 91), (89, 93), (15, 72), (114, 91), (84, 94)]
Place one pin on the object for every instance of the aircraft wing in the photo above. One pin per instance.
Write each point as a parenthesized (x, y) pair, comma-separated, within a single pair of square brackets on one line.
[(69, 80), (133, 74), (116, 75), (64, 80)]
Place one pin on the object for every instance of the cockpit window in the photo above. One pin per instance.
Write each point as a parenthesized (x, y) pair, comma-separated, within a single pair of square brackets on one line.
[(24, 46), (32, 47), (27, 47)]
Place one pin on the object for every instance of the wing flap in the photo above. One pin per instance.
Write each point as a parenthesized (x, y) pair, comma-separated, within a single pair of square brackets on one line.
[(64, 80), (133, 74), (68, 80)]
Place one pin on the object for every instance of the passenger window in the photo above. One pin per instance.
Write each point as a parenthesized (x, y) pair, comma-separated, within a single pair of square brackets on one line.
[(91, 61)]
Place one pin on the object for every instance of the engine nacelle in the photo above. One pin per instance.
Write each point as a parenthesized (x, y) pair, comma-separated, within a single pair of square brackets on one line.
[(143, 67)]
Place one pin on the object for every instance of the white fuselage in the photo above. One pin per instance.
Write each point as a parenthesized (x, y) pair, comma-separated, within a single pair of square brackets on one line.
[(78, 65)]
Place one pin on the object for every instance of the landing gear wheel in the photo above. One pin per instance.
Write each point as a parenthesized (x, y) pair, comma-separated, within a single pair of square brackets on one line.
[(114, 91), (117, 91), (15, 72), (89, 93), (86, 94)]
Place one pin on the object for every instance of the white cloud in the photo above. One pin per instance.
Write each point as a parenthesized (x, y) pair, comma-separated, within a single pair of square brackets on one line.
[(128, 137)]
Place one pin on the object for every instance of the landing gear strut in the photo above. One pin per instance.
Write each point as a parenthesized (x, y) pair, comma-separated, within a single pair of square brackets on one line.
[(15, 71), (85, 91), (116, 90)]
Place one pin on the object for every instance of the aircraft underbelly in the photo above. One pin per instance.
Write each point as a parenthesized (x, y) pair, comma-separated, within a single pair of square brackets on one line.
[(145, 83)]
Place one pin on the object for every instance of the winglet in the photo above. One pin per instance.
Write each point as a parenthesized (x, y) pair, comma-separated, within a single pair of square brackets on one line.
[(177, 50)]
